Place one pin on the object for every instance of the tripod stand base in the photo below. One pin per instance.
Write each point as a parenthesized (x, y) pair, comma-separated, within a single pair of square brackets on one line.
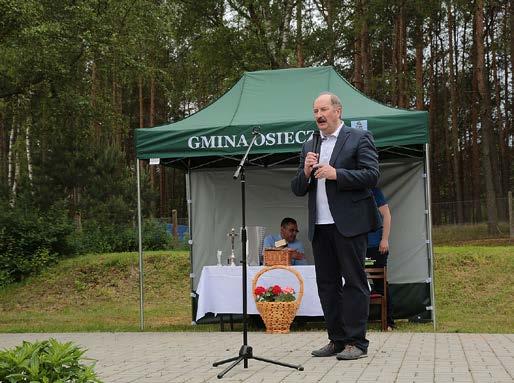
[(245, 353)]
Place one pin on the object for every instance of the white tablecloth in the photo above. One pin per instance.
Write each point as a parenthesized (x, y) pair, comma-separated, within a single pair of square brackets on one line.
[(220, 289)]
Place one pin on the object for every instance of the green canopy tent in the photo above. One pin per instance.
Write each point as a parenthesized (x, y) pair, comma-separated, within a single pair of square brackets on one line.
[(278, 103)]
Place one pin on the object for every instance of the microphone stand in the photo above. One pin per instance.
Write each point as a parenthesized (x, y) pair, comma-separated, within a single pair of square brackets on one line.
[(246, 351)]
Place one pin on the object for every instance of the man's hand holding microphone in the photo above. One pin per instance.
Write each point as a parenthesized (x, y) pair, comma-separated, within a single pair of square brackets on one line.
[(312, 168)]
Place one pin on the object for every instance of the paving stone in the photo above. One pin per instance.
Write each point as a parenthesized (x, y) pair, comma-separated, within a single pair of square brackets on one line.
[(392, 357)]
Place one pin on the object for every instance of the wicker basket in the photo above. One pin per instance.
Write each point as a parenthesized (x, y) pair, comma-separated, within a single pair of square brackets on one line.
[(274, 257), (278, 316)]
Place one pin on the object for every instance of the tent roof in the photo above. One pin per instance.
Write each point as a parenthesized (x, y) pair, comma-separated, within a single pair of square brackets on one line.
[(279, 103)]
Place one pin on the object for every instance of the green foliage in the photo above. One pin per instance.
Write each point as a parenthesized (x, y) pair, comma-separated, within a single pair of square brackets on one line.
[(97, 237), (76, 79), (155, 236), (47, 362), (274, 294), (31, 240), (285, 298)]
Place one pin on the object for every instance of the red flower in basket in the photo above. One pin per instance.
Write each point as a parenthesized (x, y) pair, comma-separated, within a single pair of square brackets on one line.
[(276, 290), (274, 294), (259, 290)]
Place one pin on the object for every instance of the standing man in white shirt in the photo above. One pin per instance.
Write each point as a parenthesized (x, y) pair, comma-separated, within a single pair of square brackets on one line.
[(341, 213)]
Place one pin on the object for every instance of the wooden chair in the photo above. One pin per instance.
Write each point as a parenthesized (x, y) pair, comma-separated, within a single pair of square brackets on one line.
[(376, 298)]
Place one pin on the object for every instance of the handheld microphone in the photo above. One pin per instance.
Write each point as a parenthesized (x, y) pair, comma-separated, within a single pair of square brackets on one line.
[(316, 147)]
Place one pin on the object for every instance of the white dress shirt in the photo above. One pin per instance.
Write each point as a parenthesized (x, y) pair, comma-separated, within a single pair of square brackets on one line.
[(323, 215)]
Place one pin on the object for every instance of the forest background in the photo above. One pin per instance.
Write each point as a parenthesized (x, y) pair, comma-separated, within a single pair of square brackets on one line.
[(77, 77)]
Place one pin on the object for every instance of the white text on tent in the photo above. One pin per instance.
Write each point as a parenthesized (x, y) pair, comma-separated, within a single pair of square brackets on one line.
[(234, 141)]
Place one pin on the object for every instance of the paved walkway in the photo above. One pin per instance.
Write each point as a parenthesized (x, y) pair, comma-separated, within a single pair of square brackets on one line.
[(392, 357)]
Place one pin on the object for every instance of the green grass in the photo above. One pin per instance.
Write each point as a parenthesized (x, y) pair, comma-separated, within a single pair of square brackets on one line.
[(100, 293), (474, 290), (471, 234)]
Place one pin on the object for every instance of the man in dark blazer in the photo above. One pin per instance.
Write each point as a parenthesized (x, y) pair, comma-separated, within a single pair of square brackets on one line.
[(341, 213)]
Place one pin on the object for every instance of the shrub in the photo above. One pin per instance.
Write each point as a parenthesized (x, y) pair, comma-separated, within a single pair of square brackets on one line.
[(155, 236), (31, 240), (178, 244), (104, 238), (45, 361), (96, 238)]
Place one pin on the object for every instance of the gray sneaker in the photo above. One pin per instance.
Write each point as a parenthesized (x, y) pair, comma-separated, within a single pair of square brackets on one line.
[(351, 352), (328, 350)]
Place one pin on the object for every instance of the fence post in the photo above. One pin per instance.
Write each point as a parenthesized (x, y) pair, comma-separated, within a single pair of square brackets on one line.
[(174, 221), (511, 216)]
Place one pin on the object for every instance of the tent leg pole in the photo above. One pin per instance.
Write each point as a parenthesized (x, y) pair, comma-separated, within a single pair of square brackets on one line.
[(428, 204), (140, 247), (190, 224)]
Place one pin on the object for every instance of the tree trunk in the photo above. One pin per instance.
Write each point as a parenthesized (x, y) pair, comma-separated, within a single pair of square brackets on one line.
[(284, 30), (116, 105), (485, 121), (455, 154), (141, 104), (400, 59), (16, 179), (432, 123), (365, 54), (402, 89), (299, 50), (27, 151), (420, 103), (10, 155), (14, 163), (511, 73), (509, 108), (162, 168), (331, 32), (475, 147), (357, 46), (496, 147), (395, 64), (357, 67), (382, 71), (94, 96), (77, 216), (501, 123), (3, 148), (14, 168), (152, 100), (444, 112)]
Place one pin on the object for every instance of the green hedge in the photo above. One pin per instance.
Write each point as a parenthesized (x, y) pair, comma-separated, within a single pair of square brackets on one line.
[(102, 238), (31, 240), (47, 362)]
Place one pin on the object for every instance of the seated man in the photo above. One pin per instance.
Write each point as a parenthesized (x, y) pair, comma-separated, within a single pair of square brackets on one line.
[(288, 231), (378, 250)]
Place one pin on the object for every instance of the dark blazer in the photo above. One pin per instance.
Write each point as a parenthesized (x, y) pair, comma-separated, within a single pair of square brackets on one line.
[(349, 197)]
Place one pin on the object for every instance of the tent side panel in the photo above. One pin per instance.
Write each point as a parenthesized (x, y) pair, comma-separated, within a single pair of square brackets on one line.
[(411, 300), (402, 184), (217, 209)]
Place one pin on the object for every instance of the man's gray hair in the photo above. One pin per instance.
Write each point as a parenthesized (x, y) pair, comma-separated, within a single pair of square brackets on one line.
[(334, 100)]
